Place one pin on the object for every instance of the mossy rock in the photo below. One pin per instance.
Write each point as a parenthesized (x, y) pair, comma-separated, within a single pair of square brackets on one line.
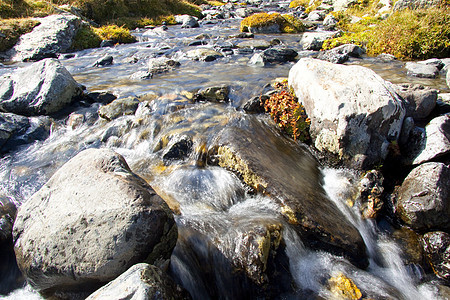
[(271, 23)]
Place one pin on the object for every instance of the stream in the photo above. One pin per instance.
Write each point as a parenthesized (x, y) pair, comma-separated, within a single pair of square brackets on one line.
[(213, 205)]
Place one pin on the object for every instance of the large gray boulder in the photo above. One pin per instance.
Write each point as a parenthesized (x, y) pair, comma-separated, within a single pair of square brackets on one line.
[(54, 35), (43, 88), (420, 100), (89, 223), (431, 143), (424, 197), (354, 113), (141, 282)]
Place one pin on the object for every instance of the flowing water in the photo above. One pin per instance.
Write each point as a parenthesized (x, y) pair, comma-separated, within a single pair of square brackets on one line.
[(217, 215)]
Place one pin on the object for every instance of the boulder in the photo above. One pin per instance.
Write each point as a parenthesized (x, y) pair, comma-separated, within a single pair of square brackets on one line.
[(429, 143), (106, 60), (89, 223), (54, 35), (352, 118), (420, 101), (213, 94), (119, 107), (254, 155), (421, 70), (255, 105), (437, 249), (254, 44), (187, 21), (141, 282), (18, 130), (161, 65), (424, 197), (43, 88), (341, 53), (314, 40), (203, 54), (316, 15)]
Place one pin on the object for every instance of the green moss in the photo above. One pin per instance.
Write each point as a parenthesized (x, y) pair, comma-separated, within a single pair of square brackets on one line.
[(287, 23), (297, 3), (12, 29), (115, 33), (86, 38), (406, 34)]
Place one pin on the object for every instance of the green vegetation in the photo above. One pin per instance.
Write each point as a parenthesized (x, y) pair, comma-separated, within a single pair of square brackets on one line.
[(287, 23), (289, 115), (406, 34), (89, 37), (103, 12), (12, 30)]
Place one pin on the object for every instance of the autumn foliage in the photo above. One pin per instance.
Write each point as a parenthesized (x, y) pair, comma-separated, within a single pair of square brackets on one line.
[(288, 113)]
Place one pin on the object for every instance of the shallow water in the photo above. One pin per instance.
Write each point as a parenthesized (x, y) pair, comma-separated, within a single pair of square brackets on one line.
[(213, 205)]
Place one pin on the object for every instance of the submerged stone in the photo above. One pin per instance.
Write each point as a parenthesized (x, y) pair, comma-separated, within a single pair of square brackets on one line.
[(286, 171)]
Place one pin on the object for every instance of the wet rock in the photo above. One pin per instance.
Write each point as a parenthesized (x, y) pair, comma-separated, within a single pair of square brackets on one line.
[(106, 60), (10, 275), (254, 44), (162, 65), (431, 143), (179, 149), (421, 70), (437, 248), (75, 120), (213, 94), (242, 35), (141, 282), (420, 100), (255, 105), (273, 55), (356, 121), (385, 57), (343, 287), (101, 97), (203, 54), (275, 166), (43, 88), (141, 75), (106, 43), (118, 108), (54, 35), (371, 189), (187, 21), (16, 131), (100, 219), (314, 40), (407, 127), (424, 198), (410, 242)]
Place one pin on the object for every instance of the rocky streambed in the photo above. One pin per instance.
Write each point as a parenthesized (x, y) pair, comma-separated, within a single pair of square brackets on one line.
[(148, 170)]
